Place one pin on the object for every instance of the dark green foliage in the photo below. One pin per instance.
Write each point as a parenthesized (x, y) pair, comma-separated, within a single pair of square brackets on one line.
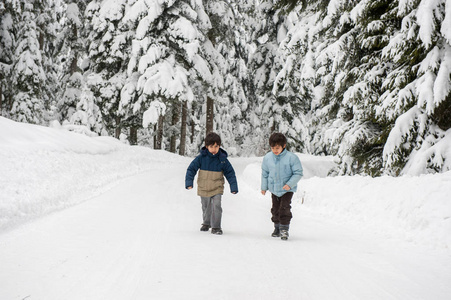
[(442, 114), (289, 5)]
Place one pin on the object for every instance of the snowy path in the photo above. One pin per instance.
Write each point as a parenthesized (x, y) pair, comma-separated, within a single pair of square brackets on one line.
[(141, 240)]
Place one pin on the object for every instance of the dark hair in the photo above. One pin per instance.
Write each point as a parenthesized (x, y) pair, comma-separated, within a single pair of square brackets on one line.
[(277, 139), (212, 138)]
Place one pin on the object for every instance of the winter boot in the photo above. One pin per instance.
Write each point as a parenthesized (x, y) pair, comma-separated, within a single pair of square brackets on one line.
[(217, 231), (284, 232), (204, 227), (276, 232)]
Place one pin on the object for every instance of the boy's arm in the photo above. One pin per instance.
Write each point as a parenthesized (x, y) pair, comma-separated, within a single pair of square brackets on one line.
[(298, 172), (191, 172), (229, 174), (265, 174)]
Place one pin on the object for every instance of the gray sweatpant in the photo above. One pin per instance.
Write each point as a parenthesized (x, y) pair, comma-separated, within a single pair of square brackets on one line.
[(212, 211)]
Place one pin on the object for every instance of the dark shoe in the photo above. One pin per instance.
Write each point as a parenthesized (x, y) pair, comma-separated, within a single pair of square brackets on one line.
[(276, 232), (284, 234), (217, 231), (204, 228)]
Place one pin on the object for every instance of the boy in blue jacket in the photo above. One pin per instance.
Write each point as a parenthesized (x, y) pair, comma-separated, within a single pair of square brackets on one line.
[(281, 171), (214, 165)]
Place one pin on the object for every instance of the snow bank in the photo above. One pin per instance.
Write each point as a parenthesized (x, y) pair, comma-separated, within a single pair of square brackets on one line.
[(415, 208), (316, 166), (28, 137), (46, 169)]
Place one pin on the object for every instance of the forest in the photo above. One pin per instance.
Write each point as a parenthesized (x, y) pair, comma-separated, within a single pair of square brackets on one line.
[(366, 81)]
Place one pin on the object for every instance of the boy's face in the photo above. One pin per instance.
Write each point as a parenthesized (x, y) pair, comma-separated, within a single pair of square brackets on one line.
[(277, 149), (213, 149)]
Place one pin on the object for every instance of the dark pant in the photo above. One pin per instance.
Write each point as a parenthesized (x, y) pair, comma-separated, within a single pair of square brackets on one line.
[(281, 209)]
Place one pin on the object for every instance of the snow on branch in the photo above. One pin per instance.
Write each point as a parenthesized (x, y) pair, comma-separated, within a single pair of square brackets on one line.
[(399, 134), (434, 154), (152, 114), (446, 24), (167, 79)]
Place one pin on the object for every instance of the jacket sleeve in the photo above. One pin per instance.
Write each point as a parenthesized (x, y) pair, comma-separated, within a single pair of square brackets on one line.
[(229, 174), (191, 172), (265, 174), (298, 172)]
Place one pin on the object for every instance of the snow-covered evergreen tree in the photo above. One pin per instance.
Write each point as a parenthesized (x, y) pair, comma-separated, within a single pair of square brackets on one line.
[(7, 40), (171, 55), (87, 114), (337, 49), (266, 108), (363, 29), (295, 81), (49, 16), (230, 103), (71, 43), (27, 73), (108, 54), (33, 70), (375, 22), (418, 90), (341, 128)]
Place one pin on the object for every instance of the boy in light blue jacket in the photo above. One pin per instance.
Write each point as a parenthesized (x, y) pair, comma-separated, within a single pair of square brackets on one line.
[(281, 171)]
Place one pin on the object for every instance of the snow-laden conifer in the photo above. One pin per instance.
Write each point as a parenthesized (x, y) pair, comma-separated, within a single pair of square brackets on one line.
[(28, 64), (172, 61), (108, 53), (418, 89), (71, 41), (228, 48), (27, 73), (7, 40), (267, 109)]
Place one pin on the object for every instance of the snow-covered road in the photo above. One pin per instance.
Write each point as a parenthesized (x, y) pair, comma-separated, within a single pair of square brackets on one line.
[(141, 240), (90, 219)]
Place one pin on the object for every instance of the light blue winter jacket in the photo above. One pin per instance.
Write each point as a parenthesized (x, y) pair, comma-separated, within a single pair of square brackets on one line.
[(278, 170)]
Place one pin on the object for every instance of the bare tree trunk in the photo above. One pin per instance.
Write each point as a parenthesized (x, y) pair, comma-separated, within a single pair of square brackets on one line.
[(133, 138), (193, 126), (73, 63), (155, 130), (9, 102), (174, 121), (41, 39), (210, 115), (183, 128), (118, 127), (1, 94), (159, 136)]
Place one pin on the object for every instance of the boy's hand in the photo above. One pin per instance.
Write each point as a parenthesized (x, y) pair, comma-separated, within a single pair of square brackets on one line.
[(286, 187), (233, 192), (189, 188), (263, 193)]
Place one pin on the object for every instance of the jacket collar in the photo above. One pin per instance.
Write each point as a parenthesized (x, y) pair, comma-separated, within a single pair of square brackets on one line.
[(282, 154), (222, 154)]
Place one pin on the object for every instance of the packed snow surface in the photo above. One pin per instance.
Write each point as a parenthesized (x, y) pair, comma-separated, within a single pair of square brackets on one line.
[(92, 218)]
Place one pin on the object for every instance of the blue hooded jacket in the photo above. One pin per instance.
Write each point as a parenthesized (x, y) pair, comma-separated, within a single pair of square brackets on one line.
[(278, 170)]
